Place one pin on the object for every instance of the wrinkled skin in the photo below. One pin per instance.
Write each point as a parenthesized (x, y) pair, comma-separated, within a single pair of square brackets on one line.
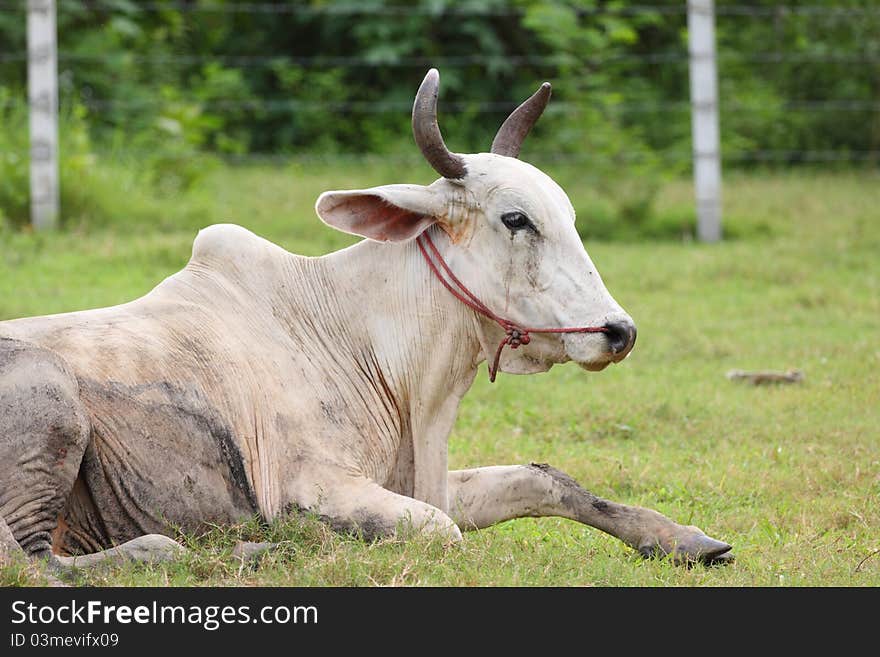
[(259, 381)]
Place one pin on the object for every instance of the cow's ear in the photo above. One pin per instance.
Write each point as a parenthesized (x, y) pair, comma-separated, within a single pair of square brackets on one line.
[(391, 213)]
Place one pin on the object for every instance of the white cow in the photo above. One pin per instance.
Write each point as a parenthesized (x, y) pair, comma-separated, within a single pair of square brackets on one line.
[(256, 381)]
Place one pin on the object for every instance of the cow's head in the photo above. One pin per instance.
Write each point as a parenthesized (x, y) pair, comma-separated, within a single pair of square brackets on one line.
[(511, 239)]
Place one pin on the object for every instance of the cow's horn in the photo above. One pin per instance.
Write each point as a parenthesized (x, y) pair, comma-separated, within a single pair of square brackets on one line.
[(513, 131), (427, 132)]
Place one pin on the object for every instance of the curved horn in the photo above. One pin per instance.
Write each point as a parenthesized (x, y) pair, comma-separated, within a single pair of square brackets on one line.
[(427, 132), (513, 131)]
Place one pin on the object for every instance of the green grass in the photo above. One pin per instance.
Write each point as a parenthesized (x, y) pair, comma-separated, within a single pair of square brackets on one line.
[(789, 475)]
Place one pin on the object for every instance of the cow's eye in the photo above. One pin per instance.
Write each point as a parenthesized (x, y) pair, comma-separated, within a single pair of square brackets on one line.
[(516, 221)]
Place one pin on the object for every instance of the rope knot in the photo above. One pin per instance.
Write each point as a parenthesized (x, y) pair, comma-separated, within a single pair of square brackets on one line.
[(517, 336)]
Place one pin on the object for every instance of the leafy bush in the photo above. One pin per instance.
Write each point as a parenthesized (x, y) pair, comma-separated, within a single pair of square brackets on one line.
[(128, 177), (164, 86), (76, 159), (135, 65)]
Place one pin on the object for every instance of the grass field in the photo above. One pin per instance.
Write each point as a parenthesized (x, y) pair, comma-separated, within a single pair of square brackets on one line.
[(790, 475)]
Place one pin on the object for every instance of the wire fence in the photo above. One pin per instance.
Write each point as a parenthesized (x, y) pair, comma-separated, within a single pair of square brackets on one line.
[(673, 57), (382, 107), (257, 61), (678, 8)]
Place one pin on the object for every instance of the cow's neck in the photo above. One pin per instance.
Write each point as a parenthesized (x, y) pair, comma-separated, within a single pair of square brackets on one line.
[(424, 340)]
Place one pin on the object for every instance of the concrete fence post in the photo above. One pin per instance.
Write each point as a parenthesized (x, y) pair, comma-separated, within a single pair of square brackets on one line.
[(704, 118), (43, 112)]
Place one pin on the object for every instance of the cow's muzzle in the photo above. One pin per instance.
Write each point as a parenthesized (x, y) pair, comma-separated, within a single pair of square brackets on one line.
[(621, 336)]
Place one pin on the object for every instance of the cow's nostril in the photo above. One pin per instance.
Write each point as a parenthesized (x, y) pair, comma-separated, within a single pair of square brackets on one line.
[(621, 336)]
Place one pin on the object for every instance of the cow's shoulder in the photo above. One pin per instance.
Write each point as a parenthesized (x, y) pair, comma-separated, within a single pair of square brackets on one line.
[(230, 262), (233, 244)]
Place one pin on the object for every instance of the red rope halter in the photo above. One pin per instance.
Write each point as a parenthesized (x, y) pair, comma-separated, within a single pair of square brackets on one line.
[(515, 334)]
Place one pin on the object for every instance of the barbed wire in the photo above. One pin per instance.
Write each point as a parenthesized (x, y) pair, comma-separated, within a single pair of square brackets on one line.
[(670, 156), (801, 156), (416, 159), (354, 10), (484, 60), (472, 107), (284, 105), (794, 10), (321, 61), (551, 157), (256, 61), (488, 107), (268, 8)]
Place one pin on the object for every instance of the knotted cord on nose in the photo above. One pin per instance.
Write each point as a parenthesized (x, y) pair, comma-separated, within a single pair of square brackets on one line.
[(515, 335)]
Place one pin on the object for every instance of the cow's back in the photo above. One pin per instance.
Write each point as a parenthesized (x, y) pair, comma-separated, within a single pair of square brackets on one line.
[(246, 347), (198, 326), (176, 384)]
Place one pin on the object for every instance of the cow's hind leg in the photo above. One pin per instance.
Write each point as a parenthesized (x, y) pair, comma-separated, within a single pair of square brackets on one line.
[(10, 550), (44, 431), (12, 554), (484, 496), (150, 548)]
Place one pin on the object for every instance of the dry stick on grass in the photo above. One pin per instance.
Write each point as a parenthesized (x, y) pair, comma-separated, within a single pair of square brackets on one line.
[(768, 376), (871, 554)]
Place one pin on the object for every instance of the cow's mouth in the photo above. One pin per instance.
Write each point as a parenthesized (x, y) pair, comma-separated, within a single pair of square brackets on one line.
[(596, 366), (595, 352), (608, 358)]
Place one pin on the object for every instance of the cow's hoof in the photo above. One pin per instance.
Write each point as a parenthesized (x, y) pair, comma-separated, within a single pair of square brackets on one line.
[(687, 546), (722, 559)]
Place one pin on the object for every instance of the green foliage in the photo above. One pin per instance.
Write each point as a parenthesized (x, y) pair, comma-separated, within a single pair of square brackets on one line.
[(14, 190), (140, 69), (164, 87), (77, 161), (827, 56), (121, 189)]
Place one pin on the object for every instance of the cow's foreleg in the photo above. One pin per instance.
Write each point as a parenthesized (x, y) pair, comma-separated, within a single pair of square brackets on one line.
[(484, 496), (357, 504)]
